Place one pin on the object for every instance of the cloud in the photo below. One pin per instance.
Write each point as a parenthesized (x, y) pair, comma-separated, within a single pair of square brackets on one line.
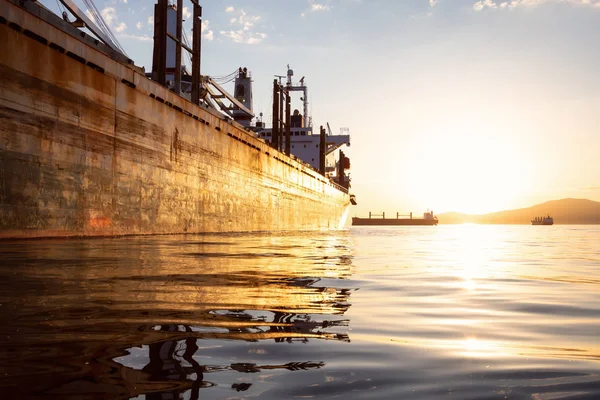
[(246, 21), (207, 33), (242, 26), (138, 25), (109, 14), (318, 7), (480, 5), (256, 38), (230, 9), (121, 27), (241, 36), (151, 20), (432, 3), (186, 13)]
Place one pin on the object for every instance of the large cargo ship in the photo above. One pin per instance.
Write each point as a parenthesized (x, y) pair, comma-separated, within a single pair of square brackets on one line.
[(92, 145)]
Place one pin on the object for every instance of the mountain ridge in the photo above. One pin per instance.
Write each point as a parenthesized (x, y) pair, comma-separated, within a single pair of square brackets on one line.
[(564, 211)]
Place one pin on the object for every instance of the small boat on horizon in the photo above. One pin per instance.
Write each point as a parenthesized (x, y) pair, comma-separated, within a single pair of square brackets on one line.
[(548, 220)]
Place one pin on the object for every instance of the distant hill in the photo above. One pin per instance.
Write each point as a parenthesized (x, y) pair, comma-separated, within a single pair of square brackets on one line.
[(565, 211)]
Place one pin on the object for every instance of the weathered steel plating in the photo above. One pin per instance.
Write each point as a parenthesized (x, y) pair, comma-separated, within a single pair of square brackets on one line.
[(89, 146)]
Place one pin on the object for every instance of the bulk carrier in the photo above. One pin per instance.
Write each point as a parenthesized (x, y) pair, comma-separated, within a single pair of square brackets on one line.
[(380, 220), (92, 145)]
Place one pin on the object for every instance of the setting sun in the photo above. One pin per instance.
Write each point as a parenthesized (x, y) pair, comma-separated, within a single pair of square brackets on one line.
[(470, 173), (468, 169)]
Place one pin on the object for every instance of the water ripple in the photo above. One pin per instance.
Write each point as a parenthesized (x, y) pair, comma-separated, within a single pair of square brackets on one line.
[(447, 312)]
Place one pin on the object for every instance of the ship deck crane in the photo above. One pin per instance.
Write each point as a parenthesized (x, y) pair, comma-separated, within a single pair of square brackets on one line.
[(100, 30), (217, 94)]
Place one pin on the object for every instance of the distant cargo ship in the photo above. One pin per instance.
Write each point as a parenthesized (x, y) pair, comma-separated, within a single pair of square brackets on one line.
[(380, 220), (548, 220)]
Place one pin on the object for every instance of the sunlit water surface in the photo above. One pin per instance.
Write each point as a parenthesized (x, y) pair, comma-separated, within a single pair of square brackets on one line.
[(447, 312)]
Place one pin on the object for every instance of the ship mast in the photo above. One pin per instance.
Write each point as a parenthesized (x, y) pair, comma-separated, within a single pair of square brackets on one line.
[(296, 88), (169, 43)]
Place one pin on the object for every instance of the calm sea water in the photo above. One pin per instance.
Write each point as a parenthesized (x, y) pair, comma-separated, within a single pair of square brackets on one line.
[(447, 312)]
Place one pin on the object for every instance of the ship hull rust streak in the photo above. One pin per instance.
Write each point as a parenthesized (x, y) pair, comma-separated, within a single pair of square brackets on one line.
[(90, 147)]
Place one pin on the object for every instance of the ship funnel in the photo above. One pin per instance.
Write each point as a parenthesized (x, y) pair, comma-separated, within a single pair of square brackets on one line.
[(243, 94)]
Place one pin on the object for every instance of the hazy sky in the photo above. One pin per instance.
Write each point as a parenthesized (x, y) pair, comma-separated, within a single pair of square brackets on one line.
[(453, 105)]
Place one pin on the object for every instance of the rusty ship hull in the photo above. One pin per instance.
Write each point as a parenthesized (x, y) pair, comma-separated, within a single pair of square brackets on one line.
[(91, 147)]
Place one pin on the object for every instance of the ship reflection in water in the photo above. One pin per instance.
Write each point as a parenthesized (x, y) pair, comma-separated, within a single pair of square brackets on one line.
[(167, 317)]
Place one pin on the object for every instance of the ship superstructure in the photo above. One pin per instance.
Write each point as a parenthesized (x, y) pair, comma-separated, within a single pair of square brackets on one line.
[(92, 145), (317, 150)]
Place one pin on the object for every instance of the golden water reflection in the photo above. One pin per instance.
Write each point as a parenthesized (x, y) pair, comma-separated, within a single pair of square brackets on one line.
[(130, 316), (463, 312), (499, 301)]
